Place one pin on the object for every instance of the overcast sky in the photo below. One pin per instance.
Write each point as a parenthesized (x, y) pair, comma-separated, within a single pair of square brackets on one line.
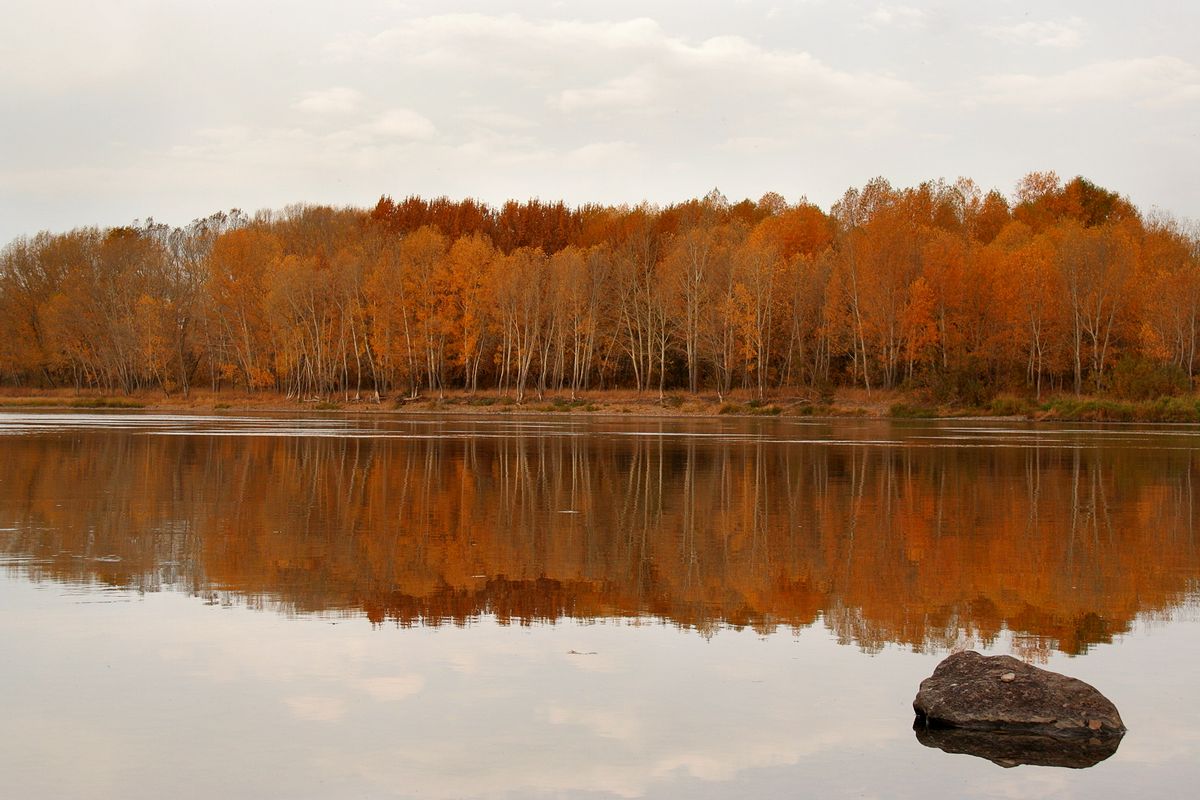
[(120, 110)]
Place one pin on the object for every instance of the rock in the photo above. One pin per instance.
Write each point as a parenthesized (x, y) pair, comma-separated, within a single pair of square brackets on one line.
[(971, 691), (1012, 749)]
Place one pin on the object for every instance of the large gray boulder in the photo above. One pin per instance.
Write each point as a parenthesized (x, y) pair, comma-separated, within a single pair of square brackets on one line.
[(968, 690)]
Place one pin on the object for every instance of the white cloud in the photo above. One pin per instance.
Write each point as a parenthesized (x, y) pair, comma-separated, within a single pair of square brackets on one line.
[(402, 123), (896, 16), (1043, 33), (46, 48), (451, 37), (1158, 82), (597, 153), (488, 148), (238, 148), (751, 144), (633, 65), (635, 90), (495, 118), (337, 100)]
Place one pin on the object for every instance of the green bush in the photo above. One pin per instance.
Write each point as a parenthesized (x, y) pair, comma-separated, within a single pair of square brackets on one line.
[(814, 410), (754, 408), (1135, 378), (910, 411), (1009, 406), (1089, 410), (965, 385), (1164, 409), (1172, 409)]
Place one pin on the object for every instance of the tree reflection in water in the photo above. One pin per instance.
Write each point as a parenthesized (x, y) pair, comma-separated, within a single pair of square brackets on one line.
[(924, 546)]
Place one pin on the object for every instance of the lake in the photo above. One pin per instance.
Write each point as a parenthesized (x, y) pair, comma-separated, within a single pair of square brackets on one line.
[(496, 606)]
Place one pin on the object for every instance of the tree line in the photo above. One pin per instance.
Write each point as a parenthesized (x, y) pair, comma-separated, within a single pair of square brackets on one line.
[(940, 288)]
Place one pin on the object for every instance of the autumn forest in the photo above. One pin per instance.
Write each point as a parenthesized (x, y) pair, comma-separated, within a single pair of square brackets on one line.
[(940, 288)]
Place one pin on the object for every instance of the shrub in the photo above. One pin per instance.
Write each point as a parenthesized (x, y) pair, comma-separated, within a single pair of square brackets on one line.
[(1135, 378), (965, 385), (814, 410), (1172, 409), (1089, 410), (909, 411), (1009, 406)]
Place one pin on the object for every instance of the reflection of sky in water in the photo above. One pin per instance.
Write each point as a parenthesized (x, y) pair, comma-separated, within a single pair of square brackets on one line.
[(157, 695), (114, 693)]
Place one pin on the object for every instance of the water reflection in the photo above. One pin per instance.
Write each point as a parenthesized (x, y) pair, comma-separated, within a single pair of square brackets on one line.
[(1014, 749), (927, 536)]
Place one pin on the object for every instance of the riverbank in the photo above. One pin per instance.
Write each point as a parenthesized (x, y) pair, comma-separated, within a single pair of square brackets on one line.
[(844, 403)]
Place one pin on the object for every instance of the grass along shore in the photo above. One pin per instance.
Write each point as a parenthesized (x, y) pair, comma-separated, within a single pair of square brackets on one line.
[(844, 403)]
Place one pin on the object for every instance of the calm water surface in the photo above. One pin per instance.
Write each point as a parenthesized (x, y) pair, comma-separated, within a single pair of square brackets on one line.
[(446, 607)]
